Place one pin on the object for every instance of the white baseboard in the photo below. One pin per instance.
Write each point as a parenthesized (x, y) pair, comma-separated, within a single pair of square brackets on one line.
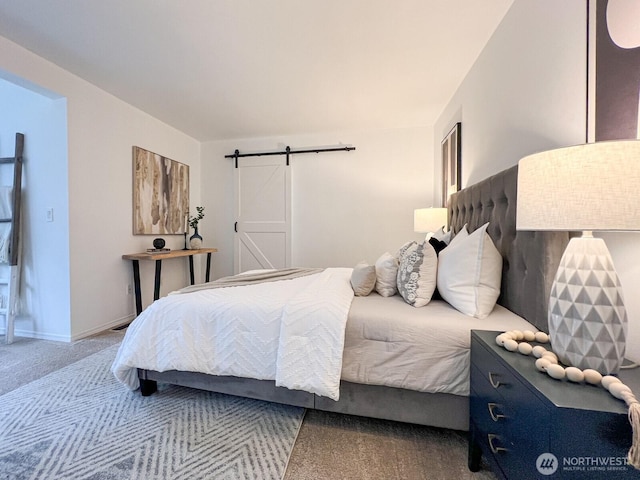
[(115, 323), (66, 338), (38, 335)]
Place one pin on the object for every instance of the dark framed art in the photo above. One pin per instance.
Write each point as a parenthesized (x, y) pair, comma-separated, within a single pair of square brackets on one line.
[(451, 163), (614, 70), (160, 194)]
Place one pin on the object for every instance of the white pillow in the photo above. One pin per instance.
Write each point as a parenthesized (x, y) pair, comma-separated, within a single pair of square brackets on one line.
[(363, 279), (470, 273), (443, 237), (462, 234), (417, 274), (386, 274)]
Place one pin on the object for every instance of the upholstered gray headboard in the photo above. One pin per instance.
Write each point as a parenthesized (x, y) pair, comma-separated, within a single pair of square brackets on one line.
[(530, 259)]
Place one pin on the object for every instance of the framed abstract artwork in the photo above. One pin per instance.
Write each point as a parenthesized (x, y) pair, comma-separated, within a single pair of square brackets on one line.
[(451, 163), (614, 70), (160, 194)]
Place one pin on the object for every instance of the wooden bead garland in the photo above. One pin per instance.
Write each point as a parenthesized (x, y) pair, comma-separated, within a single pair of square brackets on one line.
[(547, 362)]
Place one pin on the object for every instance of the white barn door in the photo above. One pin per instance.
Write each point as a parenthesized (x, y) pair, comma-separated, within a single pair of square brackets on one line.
[(263, 213)]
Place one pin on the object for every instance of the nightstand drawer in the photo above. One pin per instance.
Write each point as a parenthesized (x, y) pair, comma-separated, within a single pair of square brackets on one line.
[(488, 408), (496, 375), (511, 424), (510, 419)]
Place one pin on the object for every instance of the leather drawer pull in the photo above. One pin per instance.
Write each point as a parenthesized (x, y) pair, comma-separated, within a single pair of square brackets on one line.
[(494, 416), (494, 383), (491, 437)]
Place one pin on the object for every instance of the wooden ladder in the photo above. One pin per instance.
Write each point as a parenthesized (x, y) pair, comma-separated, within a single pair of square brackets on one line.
[(9, 308)]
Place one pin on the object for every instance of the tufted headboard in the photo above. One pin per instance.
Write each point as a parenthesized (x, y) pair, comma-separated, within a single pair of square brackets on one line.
[(530, 259)]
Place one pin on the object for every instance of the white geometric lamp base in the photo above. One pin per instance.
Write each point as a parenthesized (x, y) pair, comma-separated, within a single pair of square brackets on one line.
[(587, 318)]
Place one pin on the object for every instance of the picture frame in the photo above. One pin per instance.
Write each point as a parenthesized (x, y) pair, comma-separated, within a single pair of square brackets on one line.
[(614, 71), (160, 194), (451, 162)]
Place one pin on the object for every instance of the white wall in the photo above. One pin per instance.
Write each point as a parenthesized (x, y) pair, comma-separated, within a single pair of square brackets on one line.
[(346, 206), (101, 132), (44, 308), (527, 93)]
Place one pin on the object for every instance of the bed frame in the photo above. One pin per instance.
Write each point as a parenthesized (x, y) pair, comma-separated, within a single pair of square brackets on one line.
[(530, 260)]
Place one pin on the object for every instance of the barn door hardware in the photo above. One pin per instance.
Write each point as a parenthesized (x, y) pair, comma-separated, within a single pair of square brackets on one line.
[(235, 155)]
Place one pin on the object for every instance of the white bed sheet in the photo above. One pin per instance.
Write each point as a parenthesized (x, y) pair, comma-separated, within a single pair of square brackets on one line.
[(388, 342)]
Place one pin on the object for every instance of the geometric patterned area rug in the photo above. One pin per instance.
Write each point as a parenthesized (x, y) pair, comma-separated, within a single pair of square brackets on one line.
[(80, 423)]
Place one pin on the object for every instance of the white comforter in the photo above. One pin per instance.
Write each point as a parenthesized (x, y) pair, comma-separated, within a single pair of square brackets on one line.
[(290, 331)]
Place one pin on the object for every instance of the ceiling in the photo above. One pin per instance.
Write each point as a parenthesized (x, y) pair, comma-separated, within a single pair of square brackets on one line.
[(228, 69)]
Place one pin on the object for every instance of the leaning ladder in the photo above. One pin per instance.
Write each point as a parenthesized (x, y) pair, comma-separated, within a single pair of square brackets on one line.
[(9, 308)]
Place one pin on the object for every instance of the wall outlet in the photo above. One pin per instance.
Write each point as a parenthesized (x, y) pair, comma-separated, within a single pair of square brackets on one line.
[(129, 289)]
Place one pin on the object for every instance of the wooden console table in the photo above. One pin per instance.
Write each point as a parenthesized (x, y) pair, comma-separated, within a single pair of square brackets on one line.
[(158, 257)]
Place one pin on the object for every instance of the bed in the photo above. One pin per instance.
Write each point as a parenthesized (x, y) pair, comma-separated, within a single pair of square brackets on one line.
[(367, 383)]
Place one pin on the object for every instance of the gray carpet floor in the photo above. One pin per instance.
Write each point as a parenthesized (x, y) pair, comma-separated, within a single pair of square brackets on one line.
[(329, 446), (28, 359)]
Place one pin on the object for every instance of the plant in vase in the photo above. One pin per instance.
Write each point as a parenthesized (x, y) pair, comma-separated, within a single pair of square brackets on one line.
[(195, 241)]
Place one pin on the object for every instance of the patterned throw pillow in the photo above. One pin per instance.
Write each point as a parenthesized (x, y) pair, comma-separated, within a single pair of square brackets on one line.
[(404, 248), (417, 273)]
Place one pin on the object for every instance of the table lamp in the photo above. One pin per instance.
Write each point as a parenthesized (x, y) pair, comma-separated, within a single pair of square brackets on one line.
[(584, 188), (429, 220)]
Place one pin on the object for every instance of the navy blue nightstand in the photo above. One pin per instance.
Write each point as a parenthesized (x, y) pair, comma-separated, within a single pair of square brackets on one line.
[(530, 426)]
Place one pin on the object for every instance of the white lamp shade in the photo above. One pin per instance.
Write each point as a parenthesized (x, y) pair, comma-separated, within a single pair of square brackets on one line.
[(584, 188), (587, 187), (427, 220)]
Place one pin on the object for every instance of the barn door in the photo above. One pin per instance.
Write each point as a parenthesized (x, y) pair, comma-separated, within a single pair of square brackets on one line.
[(262, 236)]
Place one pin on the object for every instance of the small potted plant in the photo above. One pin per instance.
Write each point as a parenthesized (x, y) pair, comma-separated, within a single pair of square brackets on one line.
[(195, 241)]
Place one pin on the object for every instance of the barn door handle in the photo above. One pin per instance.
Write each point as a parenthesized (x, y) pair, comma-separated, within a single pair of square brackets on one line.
[(235, 227)]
